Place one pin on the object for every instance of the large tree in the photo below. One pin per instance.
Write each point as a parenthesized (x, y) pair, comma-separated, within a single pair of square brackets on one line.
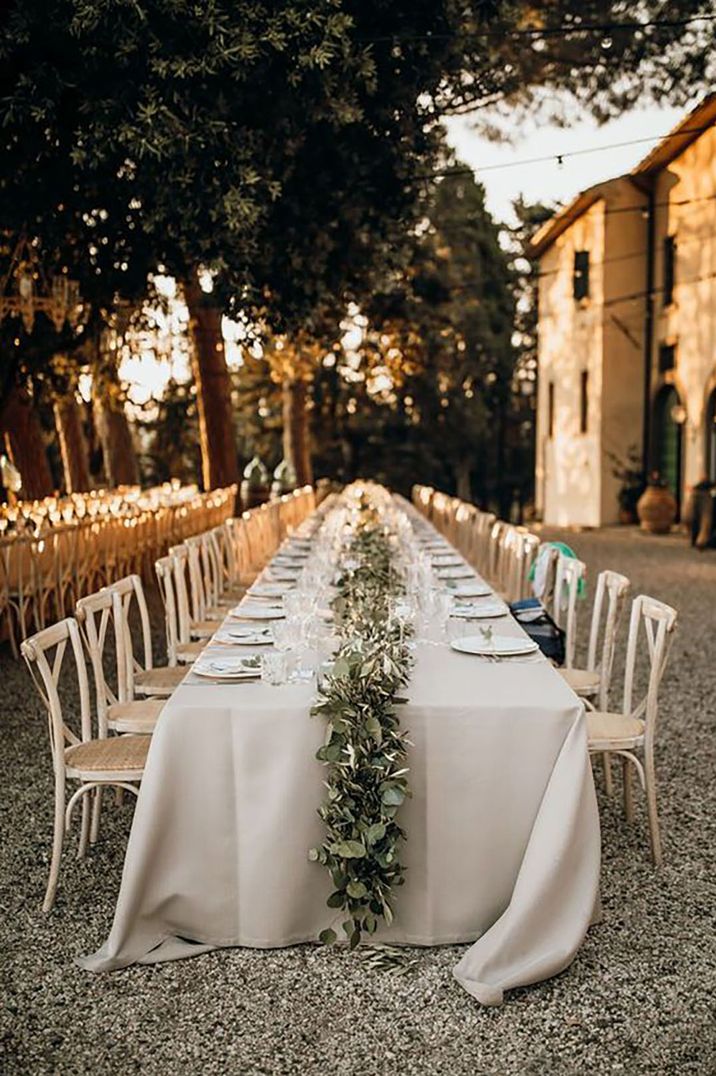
[(281, 145)]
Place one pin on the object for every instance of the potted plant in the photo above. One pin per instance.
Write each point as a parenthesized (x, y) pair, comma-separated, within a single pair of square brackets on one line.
[(630, 474), (656, 506)]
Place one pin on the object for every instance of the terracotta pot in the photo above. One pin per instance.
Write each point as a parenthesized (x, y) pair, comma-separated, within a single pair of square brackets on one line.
[(657, 510)]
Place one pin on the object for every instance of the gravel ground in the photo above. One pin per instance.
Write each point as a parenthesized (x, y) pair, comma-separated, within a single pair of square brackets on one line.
[(639, 998)]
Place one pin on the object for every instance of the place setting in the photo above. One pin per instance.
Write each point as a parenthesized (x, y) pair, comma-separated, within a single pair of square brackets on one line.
[(232, 634), (257, 611), (495, 648), (217, 669)]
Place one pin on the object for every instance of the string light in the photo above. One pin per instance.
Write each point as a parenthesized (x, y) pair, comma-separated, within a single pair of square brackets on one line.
[(560, 157)]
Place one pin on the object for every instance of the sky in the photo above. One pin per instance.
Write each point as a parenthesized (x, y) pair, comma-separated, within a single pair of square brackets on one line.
[(549, 181)]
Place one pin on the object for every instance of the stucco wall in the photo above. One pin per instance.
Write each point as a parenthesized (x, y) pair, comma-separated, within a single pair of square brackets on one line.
[(569, 472), (623, 336), (690, 321)]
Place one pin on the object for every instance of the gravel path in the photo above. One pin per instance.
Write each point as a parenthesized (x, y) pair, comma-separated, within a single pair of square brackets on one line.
[(638, 999)]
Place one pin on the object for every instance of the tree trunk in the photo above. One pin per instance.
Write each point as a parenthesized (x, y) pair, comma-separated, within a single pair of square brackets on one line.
[(119, 457), (219, 461), (462, 479), (73, 446), (25, 445), (296, 448)]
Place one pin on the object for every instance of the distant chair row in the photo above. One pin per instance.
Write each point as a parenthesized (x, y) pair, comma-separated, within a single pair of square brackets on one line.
[(43, 575), (505, 555), (201, 577)]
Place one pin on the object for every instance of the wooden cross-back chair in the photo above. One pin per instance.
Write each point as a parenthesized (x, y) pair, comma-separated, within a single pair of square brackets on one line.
[(92, 762), (181, 649), (632, 732), (141, 677), (115, 709), (568, 575)]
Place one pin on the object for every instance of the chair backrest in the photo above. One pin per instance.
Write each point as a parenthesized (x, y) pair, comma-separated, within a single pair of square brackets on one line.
[(612, 589), (164, 568), (44, 654), (238, 552), (529, 544), (223, 554), (508, 552), (126, 592), (658, 622), (198, 589), (95, 614), (180, 558), (495, 552), (545, 572), (483, 525), (568, 575), (215, 569)]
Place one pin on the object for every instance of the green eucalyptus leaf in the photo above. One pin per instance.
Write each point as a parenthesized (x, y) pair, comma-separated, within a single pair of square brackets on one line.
[(393, 796), (350, 849)]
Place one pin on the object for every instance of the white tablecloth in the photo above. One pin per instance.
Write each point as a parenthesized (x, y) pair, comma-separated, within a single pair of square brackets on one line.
[(503, 831)]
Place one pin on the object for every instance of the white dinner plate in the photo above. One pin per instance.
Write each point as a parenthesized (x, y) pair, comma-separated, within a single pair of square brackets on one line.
[(470, 590), (500, 646), (479, 610), (267, 590), (244, 637), (456, 573), (248, 668), (257, 612)]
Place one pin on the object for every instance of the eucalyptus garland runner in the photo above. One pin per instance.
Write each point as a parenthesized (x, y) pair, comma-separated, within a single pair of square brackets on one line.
[(364, 749)]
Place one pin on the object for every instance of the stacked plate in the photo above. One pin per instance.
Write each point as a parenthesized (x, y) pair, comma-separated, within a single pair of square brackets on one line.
[(255, 611), (268, 590), (244, 636), (478, 589), (458, 572), (244, 668), (478, 610)]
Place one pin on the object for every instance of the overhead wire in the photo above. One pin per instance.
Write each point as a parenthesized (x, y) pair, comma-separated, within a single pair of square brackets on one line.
[(564, 30), (559, 158)]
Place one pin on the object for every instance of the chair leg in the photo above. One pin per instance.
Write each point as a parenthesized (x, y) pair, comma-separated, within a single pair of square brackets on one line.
[(57, 840), (96, 811), (650, 789), (607, 764), (628, 790), (85, 826)]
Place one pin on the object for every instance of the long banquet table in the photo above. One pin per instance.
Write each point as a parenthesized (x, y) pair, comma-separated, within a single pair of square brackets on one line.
[(502, 849)]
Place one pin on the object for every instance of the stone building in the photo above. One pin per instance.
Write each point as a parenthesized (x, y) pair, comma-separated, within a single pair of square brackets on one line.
[(627, 329)]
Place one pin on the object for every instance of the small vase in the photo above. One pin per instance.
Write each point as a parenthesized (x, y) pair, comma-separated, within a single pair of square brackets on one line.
[(657, 510)]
